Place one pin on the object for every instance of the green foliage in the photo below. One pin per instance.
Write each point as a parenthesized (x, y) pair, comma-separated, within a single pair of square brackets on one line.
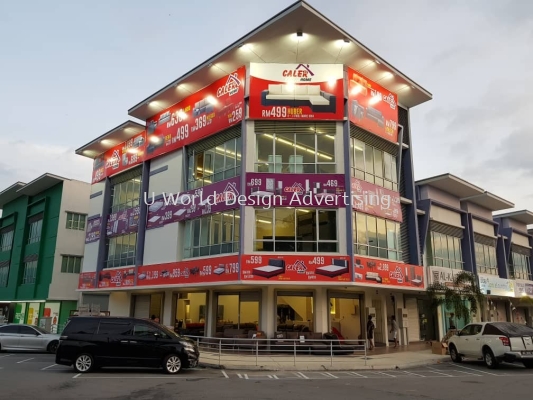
[(463, 296)]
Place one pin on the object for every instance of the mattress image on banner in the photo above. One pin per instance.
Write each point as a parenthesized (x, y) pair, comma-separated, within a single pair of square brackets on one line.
[(296, 91)]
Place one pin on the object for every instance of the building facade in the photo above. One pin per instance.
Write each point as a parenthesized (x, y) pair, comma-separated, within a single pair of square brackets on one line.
[(42, 239), (263, 190)]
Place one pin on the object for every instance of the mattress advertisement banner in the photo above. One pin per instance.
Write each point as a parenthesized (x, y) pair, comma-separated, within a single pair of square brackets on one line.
[(123, 222), (373, 271), (113, 278), (372, 107), (208, 111), (214, 269), (296, 190), (295, 268), (376, 200), (87, 280), (92, 234), (120, 158), (296, 91), (217, 197)]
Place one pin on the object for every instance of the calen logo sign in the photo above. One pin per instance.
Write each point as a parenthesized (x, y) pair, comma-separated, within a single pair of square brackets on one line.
[(231, 86), (298, 266), (295, 188), (302, 71), (114, 160)]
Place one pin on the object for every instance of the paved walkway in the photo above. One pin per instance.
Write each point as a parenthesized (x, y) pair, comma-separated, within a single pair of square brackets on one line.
[(379, 359)]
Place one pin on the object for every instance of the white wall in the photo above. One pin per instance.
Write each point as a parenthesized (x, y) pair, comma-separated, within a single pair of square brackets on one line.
[(120, 304), (171, 180), (96, 204), (483, 228), (445, 216), (475, 209), (520, 240), (161, 244), (75, 198), (90, 257), (339, 148), (96, 207)]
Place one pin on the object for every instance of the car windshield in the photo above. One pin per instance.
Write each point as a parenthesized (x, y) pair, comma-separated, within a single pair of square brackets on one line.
[(166, 330), (41, 330)]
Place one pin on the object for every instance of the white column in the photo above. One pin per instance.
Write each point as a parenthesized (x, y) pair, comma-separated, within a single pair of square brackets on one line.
[(321, 310), (267, 319), (168, 309), (120, 304), (210, 321)]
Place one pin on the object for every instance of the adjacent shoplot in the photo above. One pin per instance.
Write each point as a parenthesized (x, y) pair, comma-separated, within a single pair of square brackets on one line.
[(255, 121)]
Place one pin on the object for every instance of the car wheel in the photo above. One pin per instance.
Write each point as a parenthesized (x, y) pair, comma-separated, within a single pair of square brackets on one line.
[(52, 347), (456, 357), (528, 364), (172, 364), (490, 360), (84, 363)]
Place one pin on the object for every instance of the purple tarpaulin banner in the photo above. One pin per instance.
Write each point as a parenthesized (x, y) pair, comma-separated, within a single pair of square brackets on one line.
[(123, 222), (296, 190), (217, 197), (92, 234)]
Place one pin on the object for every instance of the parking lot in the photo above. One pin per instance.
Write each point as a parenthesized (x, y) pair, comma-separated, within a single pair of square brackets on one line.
[(36, 375)]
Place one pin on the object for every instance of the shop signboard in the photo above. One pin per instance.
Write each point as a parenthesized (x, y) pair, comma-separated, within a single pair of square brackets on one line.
[(443, 275), (380, 272), (94, 225), (123, 222), (116, 277), (204, 113), (296, 91), (375, 200), (217, 197), (372, 107), (120, 158), (523, 288), (87, 280), (295, 268), (495, 286), (296, 190), (207, 270)]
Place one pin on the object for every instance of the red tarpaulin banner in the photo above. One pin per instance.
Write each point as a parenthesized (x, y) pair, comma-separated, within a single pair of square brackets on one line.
[(373, 271)]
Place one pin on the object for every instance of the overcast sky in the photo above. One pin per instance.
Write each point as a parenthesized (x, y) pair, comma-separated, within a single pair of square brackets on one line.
[(69, 72)]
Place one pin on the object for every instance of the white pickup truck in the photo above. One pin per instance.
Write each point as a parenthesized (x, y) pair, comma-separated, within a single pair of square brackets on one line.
[(493, 342)]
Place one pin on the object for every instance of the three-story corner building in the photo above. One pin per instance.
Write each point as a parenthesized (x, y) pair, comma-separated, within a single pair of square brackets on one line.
[(42, 238), (269, 188), (458, 233)]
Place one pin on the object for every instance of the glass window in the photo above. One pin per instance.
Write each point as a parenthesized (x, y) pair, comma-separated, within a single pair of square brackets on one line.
[(373, 165), (35, 229), (306, 230), (30, 272), (446, 251), (212, 234), (124, 195), (146, 331), (4, 275), (6, 239), (76, 221), (215, 164), (9, 329), (520, 267), (121, 250), (191, 313), (312, 152), (486, 261), (294, 311), (114, 328), (376, 237), (71, 264)]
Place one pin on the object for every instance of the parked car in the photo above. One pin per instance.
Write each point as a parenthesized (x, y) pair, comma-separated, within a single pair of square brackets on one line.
[(21, 337), (92, 342), (493, 342)]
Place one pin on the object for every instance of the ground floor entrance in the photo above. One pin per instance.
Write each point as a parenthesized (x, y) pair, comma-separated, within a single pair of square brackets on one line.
[(50, 315)]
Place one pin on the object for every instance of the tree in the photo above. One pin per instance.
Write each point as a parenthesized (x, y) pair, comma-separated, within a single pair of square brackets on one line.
[(464, 296)]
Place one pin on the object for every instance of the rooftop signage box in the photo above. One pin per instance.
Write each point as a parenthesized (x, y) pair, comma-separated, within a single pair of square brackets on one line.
[(296, 91), (494, 286), (372, 107)]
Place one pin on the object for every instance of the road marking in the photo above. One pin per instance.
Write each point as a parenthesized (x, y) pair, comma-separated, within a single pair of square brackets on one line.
[(8, 355), (225, 375), (18, 362), (412, 373), (437, 372), (383, 373), (50, 366), (245, 376), (140, 377), (239, 375), (275, 377), (330, 375), (302, 375), (356, 374), (476, 370), (75, 376), (464, 372)]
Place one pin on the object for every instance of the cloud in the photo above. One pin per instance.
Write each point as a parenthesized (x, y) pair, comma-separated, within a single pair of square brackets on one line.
[(25, 161)]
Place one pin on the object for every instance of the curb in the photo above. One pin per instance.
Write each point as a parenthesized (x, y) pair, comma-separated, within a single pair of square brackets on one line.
[(323, 367)]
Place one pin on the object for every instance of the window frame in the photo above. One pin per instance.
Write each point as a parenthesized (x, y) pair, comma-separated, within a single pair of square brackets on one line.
[(365, 168), (443, 255), (76, 221), (35, 230), (122, 258), (485, 263), (126, 194), (7, 235), (523, 263), (4, 276), (364, 248), (71, 262), (29, 276), (316, 245)]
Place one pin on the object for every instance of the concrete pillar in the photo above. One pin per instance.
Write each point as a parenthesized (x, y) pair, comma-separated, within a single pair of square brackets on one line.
[(211, 321), (168, 309), (120, 304), (321, 310), (267, 318)]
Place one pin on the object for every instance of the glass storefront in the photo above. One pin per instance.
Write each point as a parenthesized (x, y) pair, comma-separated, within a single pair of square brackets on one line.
[(237, 310), (191, 313), (346, 318), (295, 311)]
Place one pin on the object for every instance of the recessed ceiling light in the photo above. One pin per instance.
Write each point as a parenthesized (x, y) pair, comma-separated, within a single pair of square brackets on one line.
[(377, 61), (299, 36)]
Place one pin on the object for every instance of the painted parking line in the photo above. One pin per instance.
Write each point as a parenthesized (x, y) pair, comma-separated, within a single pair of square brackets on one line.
[(7, 355), (301, 375), (414, 374), (50, 366), (356, 374), (19, 362), (225, 375), (478, 370)]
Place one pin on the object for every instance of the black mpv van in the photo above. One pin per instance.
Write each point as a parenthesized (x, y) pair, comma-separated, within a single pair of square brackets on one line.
[(92, 342)]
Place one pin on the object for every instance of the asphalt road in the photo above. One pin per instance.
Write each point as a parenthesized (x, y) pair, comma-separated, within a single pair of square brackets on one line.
[(35, 376)]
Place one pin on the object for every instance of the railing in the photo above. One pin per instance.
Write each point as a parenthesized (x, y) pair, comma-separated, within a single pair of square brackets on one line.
[(277, 352)]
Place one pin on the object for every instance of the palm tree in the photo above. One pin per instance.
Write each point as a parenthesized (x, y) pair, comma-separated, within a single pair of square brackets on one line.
[(464, 296)]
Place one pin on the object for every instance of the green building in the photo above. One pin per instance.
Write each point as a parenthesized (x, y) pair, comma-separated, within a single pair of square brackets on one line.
[(42, 238)]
